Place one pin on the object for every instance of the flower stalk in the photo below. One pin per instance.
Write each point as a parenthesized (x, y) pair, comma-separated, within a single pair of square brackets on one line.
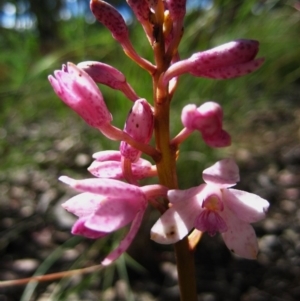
[(115, 198)]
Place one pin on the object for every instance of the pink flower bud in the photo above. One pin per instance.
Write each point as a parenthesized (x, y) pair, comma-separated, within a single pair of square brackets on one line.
[(231, 71), (139, 125), (107, 75), (78, 90), (141, 9), (229, 60), (208, 120), (232, 53), (110, 18)]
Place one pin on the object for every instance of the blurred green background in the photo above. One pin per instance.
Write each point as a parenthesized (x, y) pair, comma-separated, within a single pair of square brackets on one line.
[(40, 138)]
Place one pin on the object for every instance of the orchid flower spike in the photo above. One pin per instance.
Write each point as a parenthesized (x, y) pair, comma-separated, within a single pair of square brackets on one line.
[(108, 205), (107, 75), (207, 119), (214, 207), (79, 91), (139, 125), (229, 60)]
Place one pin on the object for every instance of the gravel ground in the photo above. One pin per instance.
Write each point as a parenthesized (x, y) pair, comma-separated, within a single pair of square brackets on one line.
[(32, 225)]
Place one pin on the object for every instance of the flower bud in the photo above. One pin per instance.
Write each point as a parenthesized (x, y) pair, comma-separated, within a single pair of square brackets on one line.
[(107, 75), (139, 125), (231, 71), (208, 120), (78, 90), (110, 18), (229, 60), (141, 9), (232, 53)]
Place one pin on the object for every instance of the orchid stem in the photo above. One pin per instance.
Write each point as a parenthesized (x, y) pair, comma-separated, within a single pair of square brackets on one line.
[(166, 166)]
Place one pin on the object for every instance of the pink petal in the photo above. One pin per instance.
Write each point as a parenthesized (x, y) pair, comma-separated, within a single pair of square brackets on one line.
[(78, 90), (113, 170), (79, 228), (55, 84), (207, 118), (111, 155), (231, 71), (223, 173), (219, 139), (112, 215), (228, 54), (83, 204), (103, 73), (106, 187), (82, 78), (175, 223), (107, 169), (176, 195), (141, 10), (108, 155), (248, 207), (240, 237), (125, 243)]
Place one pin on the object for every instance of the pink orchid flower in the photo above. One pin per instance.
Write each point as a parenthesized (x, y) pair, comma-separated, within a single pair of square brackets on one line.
[(106, 206), (214, 207), (79, 91)]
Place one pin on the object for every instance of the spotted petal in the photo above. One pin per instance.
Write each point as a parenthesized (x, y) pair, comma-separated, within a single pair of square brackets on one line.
[(106, 188), (83, 204), (113, 170)]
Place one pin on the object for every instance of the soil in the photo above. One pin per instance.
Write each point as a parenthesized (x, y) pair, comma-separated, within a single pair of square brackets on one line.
[(33, 226)]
